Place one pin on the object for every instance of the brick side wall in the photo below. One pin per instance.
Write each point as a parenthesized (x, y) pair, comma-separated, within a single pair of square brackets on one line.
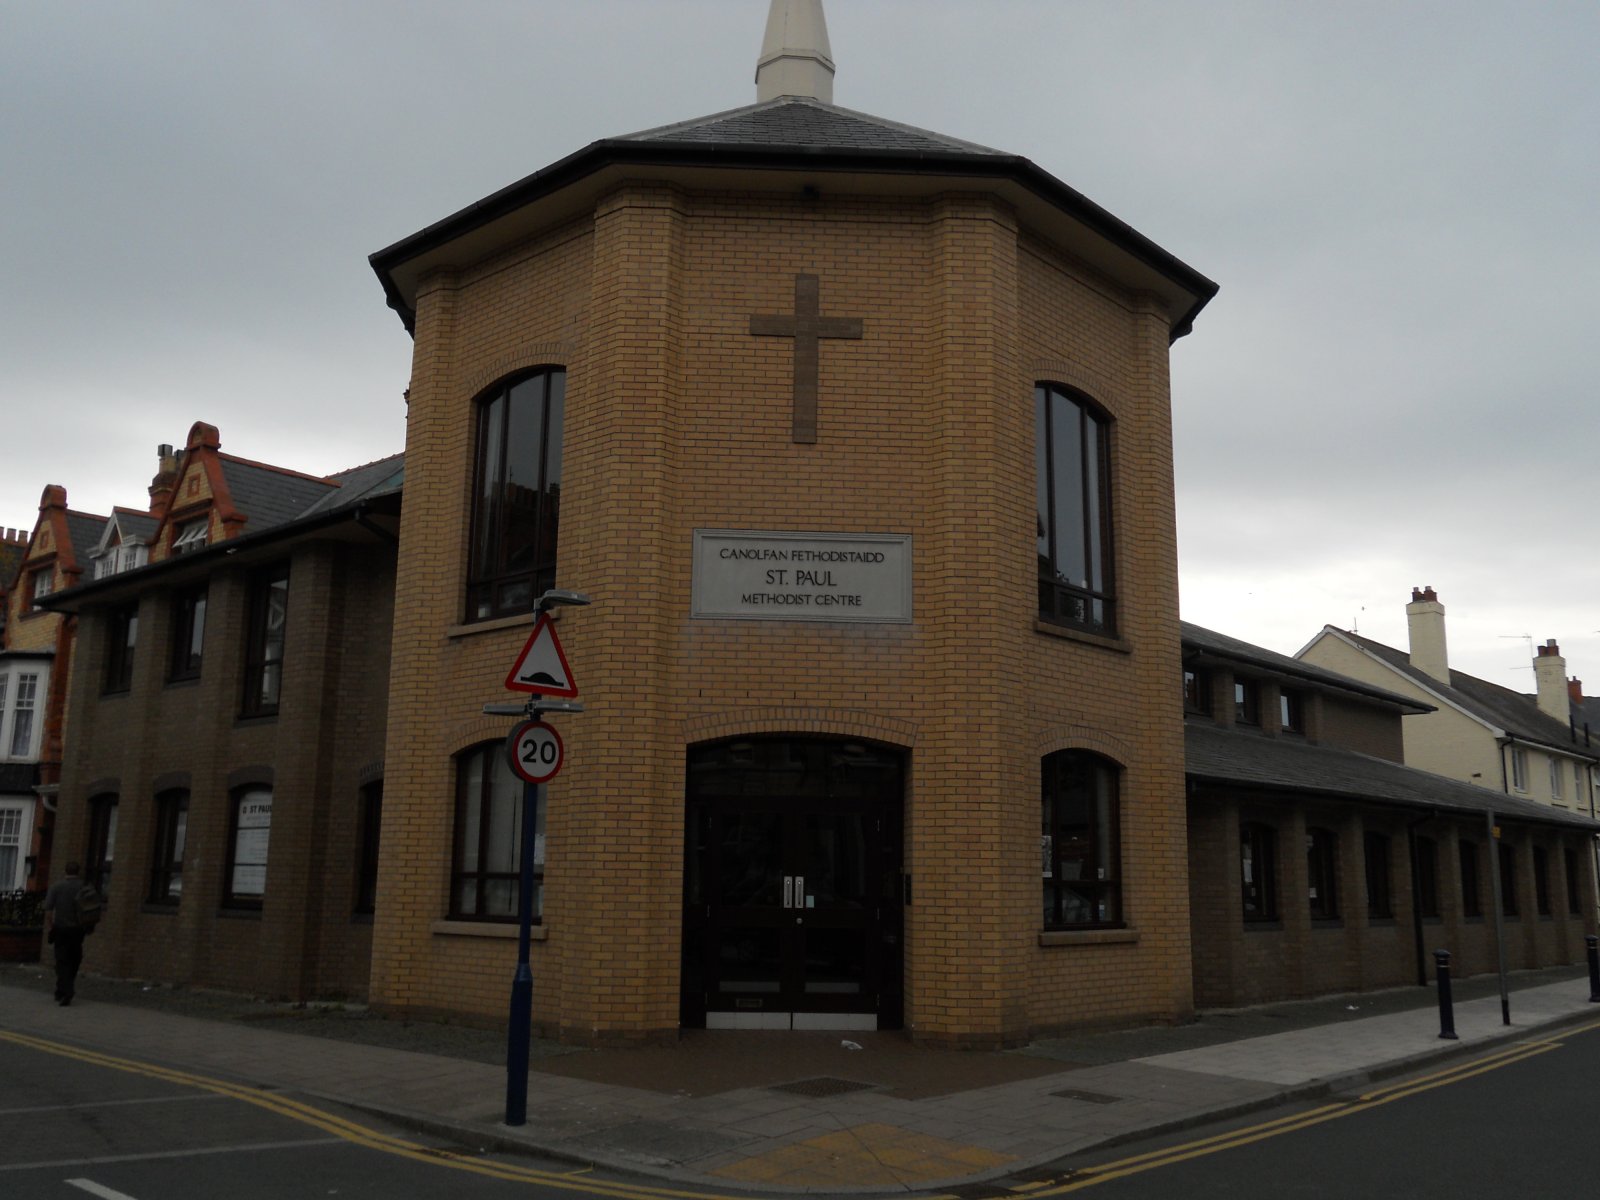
[(303, 941)]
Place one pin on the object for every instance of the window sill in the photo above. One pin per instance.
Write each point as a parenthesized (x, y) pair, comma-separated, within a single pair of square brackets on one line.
[(483, 929), (182, 681), (1088, 937), (1327, 922), (1068, 633), (490, 626), (246, 721), (239, 914), (1274, 925)]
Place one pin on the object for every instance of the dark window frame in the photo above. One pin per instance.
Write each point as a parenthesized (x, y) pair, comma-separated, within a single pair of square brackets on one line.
[(1258, 874), (1197, 691), (501, 579), (1508, 878), (1541, 881), (100, 851), (1086, 786), (265, 644), (371, 829), (1089, 603), (1471, 878), (1378, 859), (184, 661), (493, 889), (122, 636), (1322, 873), (1569, 858), (1427, 855), (232, 897), (166, 861), (1291, 711), (1246, 702)]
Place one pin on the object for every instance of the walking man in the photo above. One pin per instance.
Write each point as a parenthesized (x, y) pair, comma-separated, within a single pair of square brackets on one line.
[(65, 928)]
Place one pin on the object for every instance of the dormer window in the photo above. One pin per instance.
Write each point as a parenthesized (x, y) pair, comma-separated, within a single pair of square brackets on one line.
[(42, 583), (1196, 691), (190, 536), (1291, 712)]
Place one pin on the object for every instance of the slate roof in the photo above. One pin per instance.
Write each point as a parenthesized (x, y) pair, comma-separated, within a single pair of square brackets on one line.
[(11, 556), (1502, 707), (1208, 641), (267, 495), (1252, 760), (85, 529), (792, 121), (136, 524), (366, 482)]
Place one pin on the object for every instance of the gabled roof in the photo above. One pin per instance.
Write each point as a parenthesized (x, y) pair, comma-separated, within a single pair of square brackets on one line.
[(1216, 754), (1207, 643), (131, 524), (269, 495), (84, 530), (1500, 707)]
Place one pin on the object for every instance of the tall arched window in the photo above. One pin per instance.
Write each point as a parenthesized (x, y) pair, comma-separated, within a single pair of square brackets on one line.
[(1080, 841), (249, 840), (516, 497), (486, 870), (1074, 486)]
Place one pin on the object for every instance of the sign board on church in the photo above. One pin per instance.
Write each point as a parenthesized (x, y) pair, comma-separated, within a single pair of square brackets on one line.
[(754, 575)]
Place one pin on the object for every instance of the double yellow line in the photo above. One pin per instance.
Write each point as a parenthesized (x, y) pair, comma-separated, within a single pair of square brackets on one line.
[(1087, 1177), (352, 1131), (1105, 1172)]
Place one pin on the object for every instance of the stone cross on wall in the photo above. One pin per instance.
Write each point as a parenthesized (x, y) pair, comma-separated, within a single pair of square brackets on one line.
[(806, 327)]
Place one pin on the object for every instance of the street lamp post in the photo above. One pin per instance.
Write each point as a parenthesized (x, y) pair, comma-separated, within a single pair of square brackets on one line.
[(542, 768)]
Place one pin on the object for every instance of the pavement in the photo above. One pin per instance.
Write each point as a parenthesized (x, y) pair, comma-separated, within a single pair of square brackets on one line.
[(805, 1112)]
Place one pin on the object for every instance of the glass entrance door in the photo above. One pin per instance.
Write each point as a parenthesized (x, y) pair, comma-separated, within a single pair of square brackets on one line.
[(792, 905)]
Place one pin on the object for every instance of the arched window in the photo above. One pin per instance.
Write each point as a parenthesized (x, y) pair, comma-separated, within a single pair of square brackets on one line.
[(248, 842), (486, 864), (1258, 862), (97, 862), (172, 832), (1080, 841), (1074, 517), (516, 497)]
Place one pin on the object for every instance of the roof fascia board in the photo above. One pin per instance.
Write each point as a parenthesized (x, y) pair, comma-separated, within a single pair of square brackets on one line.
[(1277, 671), (199, 562), (594, 160)]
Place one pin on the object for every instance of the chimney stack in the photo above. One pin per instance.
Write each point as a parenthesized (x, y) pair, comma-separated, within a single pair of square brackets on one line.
[(1425, 619), (1575, 690), (165, 480), (1550, 670)]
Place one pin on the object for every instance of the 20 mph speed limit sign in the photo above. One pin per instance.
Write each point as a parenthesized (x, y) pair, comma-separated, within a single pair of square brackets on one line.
[(535, 751)]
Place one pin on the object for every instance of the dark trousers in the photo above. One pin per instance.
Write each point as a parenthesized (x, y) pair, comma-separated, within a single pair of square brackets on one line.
[(69, 957)]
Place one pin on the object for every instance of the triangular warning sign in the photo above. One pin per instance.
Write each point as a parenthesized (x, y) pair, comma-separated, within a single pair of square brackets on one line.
[(542, 668)]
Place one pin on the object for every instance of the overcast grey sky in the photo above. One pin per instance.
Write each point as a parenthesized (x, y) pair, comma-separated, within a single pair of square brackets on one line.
[(1395, 386)]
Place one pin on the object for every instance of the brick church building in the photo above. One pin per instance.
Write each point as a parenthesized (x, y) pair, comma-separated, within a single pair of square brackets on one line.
[(858, 436)]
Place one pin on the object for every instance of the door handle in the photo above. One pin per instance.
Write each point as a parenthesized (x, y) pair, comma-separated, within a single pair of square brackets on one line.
[(799, 891), (788, 891)]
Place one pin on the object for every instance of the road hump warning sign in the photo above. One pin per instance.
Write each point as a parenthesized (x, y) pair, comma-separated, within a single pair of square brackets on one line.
[(542, 667)]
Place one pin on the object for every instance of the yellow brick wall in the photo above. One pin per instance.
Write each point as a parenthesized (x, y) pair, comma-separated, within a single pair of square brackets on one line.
[(677, 419)]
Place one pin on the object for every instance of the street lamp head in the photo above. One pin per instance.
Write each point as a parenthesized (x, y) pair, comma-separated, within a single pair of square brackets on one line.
[(560, 598), (547, 705)]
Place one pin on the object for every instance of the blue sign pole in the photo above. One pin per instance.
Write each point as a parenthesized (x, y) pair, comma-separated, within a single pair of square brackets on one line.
[(518, 1036)]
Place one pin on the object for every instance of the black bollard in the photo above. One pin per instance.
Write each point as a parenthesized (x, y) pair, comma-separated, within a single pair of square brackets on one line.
[(1594, 968), (1447, 1016)]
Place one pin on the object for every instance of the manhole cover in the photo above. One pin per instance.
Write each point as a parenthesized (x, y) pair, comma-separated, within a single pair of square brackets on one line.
[(1086, 1097), (822, 1086)]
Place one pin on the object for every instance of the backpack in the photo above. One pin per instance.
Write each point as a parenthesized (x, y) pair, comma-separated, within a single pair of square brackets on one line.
[(88, 905)]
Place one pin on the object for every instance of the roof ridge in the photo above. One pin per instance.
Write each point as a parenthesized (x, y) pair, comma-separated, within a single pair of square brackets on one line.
[(266, 466)]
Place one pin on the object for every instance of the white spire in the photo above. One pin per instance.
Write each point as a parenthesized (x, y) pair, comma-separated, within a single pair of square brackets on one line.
[(795, 57)]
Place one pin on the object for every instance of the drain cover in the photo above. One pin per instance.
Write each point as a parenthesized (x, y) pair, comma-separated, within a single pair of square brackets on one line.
[(1086, 1097), (822, 1086)]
